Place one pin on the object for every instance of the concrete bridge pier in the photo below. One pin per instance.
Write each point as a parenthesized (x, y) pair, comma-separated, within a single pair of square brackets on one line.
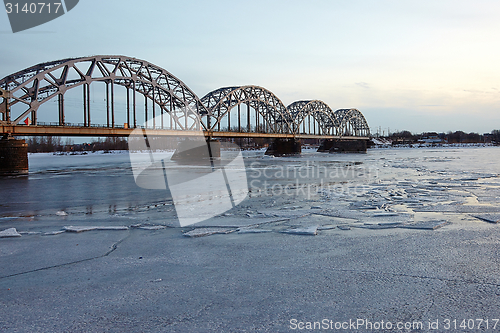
[(191, 150), (283, 147), (343, 146), (13, 157)]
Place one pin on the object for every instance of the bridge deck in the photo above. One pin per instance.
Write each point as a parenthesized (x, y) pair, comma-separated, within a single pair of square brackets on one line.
[(123, 132)]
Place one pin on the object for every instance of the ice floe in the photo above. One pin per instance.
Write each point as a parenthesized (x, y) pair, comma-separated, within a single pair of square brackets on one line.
[(425, 225), (253, 231), (78, 229), (344, 227), (30, 233), (11, 232), (313, 231), (295, 213), (327, 227), (491, 218), (151, 227), (200, 232), (53, 233)]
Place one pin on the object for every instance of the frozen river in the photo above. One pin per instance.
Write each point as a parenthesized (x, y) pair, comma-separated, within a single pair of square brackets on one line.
[(397, 184), (401, 236)]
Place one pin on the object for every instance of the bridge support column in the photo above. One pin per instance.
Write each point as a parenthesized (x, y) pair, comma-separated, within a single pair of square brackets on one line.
[(61, 109), (214, 146), (343, 146), (13, 157), (283, 147), (191, 149)]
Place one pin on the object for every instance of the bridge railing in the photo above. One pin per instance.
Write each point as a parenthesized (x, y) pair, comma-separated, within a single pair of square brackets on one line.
[(40, 123), (80, 125)]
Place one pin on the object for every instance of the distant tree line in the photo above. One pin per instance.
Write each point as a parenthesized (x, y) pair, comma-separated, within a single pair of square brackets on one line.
[(109, 144), (47, 144), (450, 137), (43, 144)]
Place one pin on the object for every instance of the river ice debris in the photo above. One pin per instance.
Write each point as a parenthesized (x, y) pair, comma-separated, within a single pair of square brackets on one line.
[(78, 228), (91, 228), (11, 232), (29, 233), (200, 232), (327, 227), (292, 213), (425, 225), (490, 218), (151, 227), (344, 227), (247, 230), (312, 231), (54, 233), (402, 197), (117, 227)]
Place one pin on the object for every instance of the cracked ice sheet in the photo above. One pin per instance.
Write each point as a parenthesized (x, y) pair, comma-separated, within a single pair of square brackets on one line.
[(310, 231), (343, 213), (292, 214), (486, 192), (239, 221), (47, 223), (201, 232), (370, 216), (491, 218), (378, 225), (31, 253), (249, 230), (454, 208), (425, 225), (78, 229)]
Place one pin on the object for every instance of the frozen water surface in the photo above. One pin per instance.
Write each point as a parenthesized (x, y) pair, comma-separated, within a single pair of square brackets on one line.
[(398, 234), (390, 185)]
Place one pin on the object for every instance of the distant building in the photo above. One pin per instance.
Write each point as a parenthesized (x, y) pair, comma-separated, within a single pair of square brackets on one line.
[(381, 142), (488, 137), (431, 139)]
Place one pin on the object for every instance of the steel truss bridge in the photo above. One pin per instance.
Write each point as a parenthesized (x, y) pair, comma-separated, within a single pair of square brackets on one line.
[(34, 101)]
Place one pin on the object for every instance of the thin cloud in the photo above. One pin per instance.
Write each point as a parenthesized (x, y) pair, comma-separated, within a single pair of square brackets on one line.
[(473, 91), (363, 85)]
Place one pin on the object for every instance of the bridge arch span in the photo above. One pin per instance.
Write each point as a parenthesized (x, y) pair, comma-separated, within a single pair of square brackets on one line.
[(220, 102), (23, 94), (324, 120), (352, 123), (38, 84)]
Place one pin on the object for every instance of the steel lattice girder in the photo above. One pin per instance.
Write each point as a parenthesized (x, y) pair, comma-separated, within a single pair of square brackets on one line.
[(319, 110), (221, 101), (354, 119), (40, 83), (340, 122)]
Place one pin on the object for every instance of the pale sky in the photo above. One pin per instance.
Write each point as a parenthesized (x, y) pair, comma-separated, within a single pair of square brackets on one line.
[(414, 65)]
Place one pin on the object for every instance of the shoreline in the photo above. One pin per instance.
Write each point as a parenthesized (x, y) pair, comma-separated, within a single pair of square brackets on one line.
[(308, 148)]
